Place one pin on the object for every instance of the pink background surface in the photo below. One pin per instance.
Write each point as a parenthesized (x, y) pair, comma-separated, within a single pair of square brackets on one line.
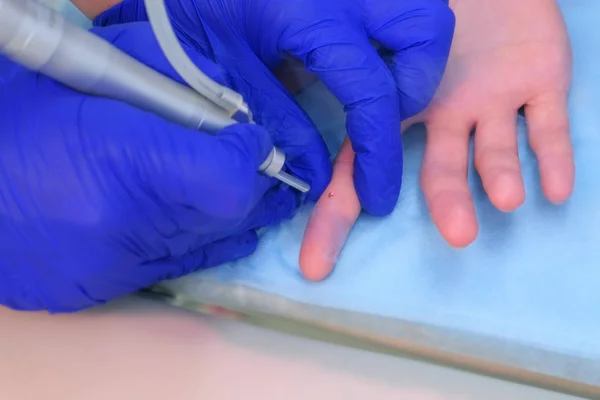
[(136, 349)]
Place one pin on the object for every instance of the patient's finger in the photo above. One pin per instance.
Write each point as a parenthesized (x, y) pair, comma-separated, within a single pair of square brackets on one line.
[(548, 124), (331, 220), (497, 160), (444, 182)]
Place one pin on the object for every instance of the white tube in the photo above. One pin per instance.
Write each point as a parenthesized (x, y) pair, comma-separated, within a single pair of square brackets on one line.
[(226, 98)]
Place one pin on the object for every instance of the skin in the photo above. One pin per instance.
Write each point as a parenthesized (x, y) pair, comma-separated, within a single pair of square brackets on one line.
[(506, 54), (93, 8)]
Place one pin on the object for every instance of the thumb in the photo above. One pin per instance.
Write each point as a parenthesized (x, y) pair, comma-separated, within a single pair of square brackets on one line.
[(216, 176)]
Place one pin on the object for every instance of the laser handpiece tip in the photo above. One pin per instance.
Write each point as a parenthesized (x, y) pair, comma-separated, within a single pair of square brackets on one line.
[(293, 181)]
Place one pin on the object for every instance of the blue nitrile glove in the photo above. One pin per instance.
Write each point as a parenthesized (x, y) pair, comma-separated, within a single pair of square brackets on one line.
[(99, 199), (331, 37)]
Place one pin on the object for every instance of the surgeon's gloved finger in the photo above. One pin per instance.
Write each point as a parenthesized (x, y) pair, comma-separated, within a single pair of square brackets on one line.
[(351, 68), (123, 12), (225, 250), (210, 255), (294, 133), (444, 181), (277, 205), (213, 176), (548, 126), (138, 40), (420, 35), (307, 156)]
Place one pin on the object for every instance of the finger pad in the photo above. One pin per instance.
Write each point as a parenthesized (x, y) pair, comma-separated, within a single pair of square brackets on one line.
[(456, 223), (507, 192), (324, 238), (558, 181)]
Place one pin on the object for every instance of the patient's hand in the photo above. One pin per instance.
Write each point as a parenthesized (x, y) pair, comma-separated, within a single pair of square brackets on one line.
[(505, 54)]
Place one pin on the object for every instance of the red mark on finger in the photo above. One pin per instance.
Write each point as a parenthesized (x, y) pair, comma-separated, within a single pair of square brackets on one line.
[(331, 220)]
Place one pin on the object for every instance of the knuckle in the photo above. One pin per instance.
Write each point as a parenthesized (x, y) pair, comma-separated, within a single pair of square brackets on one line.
[(241, 195), (441, 19), (244, 201), (237, 190)]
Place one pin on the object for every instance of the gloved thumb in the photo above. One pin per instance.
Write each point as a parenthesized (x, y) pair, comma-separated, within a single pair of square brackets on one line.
[(209, 176)]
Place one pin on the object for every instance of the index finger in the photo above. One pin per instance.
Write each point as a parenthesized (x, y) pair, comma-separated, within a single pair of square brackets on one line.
[(352, 70)]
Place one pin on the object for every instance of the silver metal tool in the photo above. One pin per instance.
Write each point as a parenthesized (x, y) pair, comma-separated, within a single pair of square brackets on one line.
[(40, 39)]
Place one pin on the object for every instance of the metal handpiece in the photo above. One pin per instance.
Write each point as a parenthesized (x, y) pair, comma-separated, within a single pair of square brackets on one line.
[(40, 39)]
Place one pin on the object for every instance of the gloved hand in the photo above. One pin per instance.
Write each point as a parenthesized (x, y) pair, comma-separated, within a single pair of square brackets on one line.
[(332, 39), (99, 199)]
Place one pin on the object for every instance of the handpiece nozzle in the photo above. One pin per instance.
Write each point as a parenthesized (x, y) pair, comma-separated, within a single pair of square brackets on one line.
[(273, 166), (292, 181)]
